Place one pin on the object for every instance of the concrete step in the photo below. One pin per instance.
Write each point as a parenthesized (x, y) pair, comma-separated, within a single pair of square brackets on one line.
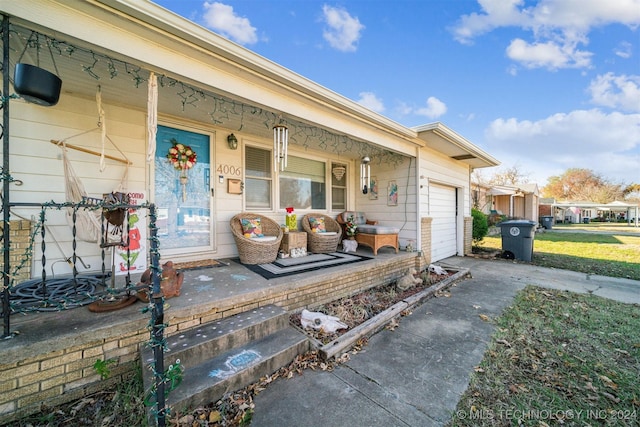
[(237, 368), (196, 345), (226, 355)]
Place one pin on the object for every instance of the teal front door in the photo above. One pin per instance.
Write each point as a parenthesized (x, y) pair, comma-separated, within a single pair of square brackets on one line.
[(184, 206)]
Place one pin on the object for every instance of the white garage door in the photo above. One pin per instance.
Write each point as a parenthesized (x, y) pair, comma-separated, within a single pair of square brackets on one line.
[(442, 207)]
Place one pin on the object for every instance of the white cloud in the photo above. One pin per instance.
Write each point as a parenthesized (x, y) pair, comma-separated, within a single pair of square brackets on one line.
[(614, 91), (558, 27), (606, 143), (343, 31), (548, 55), (371, 101), (221, 19), (624, 50), (434, 109)]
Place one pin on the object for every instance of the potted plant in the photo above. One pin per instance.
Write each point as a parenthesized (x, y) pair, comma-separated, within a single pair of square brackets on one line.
[(350, 228)]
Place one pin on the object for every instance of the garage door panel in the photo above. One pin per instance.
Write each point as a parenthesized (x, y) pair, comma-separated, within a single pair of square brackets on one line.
[(442, 207)]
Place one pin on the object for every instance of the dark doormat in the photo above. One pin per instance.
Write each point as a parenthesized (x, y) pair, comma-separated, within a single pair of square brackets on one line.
[(287, 266)]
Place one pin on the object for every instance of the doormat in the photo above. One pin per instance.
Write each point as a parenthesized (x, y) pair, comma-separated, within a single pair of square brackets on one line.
[(287, 266)]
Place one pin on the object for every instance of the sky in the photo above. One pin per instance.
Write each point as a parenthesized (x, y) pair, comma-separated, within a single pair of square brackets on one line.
[(540, 85)]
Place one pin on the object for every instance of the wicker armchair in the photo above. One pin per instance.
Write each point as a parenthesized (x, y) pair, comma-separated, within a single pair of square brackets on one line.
[(322, 242), (255, 251)]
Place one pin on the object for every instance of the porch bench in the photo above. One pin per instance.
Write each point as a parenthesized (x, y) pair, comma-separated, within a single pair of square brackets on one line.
[(369, 233)]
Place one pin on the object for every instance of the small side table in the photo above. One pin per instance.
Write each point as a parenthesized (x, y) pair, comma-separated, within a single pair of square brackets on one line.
[(293, 240)]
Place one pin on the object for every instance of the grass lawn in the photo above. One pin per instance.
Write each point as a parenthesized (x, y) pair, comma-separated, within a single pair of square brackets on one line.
[(558, 358), (615, 255)]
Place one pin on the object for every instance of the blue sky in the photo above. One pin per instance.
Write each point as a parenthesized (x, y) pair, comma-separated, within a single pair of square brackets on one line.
[(541, 85)]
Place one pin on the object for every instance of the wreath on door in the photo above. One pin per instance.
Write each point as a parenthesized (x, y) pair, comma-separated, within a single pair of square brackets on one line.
[(182, 157)]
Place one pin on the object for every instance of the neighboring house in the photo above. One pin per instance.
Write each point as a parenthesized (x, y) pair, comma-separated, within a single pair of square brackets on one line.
[(575, 212), (515, 201), (208, 89)]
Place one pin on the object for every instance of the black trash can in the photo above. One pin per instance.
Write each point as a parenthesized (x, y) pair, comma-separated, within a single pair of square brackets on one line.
[(547, 221), (585, 220), (517, 239)]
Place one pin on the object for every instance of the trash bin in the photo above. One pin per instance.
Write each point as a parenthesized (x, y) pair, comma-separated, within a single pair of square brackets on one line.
[(517, 239), (585, 220), (547, 221)]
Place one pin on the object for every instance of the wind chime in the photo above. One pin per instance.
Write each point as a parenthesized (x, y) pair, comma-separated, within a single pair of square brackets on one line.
[(182, 158), (280, 146)]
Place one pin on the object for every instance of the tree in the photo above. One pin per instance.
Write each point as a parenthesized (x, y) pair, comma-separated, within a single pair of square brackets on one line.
[(577, 184), (509, 176)]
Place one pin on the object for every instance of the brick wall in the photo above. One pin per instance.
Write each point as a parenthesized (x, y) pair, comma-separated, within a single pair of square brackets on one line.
[(20, 238), (57, 377)]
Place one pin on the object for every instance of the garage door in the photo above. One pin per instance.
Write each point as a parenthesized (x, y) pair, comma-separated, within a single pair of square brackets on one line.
[(442, 207)]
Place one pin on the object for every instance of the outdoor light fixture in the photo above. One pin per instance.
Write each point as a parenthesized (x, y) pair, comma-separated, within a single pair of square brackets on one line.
[(339, 171), (232, 141), (365, 174), (280, 146)]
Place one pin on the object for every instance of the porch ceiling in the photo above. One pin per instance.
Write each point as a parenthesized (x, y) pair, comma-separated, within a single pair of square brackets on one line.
[(123, 81)]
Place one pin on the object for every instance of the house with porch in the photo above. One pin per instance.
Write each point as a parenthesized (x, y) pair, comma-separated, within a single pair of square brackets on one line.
[(137, 81), (514, 201)]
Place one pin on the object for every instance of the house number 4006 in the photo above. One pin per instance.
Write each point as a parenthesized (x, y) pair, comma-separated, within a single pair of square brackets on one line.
[(229, 170)]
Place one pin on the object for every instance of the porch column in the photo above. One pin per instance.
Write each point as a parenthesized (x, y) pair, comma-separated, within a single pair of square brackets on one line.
[(468, 235), (425, 239)]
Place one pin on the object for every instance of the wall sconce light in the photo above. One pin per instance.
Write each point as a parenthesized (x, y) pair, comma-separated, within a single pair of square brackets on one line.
[(365, 174), (232, 141), (280, 146)]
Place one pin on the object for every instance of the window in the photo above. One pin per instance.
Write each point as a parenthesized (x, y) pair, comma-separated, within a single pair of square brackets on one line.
[(258, 178), (302, 184), (338, 187)]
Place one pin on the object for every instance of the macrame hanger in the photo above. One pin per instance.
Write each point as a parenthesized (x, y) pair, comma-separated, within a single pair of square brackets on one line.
[(103, 128), (152, 116)]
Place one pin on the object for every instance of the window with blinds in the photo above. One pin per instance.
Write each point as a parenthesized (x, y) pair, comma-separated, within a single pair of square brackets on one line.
[(258, 178), (338, 187)]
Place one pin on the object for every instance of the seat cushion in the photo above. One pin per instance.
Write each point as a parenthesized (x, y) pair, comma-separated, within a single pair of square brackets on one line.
[(264, 239), (377, 229)]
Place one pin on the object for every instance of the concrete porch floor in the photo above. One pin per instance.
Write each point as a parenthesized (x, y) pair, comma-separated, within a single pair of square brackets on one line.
[(205, 290)]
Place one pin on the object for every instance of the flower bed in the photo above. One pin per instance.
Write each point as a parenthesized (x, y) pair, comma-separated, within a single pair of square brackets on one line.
[(366, 312)]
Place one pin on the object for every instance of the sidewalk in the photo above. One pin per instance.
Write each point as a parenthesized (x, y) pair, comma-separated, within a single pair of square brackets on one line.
[(415, 375)]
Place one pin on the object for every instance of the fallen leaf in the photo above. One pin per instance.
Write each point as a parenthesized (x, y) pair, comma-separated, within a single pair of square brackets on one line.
[(478, 369), (504, 342), (611, 397), (622, 351), (589, 386), (484, 317), (214, 416)]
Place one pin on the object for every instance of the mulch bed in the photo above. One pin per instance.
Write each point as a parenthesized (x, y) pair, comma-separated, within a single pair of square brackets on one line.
[(359, 308)]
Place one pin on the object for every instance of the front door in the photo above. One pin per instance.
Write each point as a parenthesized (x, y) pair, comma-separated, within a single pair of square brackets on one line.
[(184, 206)]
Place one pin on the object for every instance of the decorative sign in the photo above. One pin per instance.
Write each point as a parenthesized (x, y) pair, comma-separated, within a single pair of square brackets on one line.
[(136, 260)]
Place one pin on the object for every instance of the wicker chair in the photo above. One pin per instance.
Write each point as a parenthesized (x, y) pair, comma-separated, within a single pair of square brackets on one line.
[(320, 243), (253, 251)]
